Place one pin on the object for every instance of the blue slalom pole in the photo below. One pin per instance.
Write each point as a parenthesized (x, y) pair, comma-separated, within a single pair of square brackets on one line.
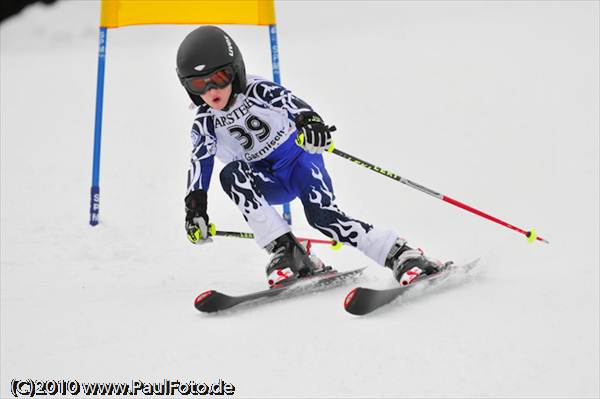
[(95, 190), (287, 212)]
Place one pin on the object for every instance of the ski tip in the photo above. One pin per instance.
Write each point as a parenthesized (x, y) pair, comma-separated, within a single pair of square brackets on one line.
[(200, 298), (349, 298), (355, 302)]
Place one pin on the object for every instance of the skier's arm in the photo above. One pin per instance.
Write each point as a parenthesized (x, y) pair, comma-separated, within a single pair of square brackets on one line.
[(202, 158), (313, 135), (279, 97), (199, 175)]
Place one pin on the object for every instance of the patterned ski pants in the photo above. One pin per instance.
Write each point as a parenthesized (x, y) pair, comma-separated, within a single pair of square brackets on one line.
[(254, 189)]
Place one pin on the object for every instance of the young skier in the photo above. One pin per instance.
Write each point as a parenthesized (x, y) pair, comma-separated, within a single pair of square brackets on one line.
[(271, 144)]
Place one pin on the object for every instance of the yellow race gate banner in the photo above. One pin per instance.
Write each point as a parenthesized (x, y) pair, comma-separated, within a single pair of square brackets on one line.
[(116, 13)]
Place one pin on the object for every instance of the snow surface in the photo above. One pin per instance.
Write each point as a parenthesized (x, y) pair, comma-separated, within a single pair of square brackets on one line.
[(495, 104)]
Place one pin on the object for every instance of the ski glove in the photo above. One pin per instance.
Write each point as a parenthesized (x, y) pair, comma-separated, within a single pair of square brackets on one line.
[(313, 135), (197, 223)]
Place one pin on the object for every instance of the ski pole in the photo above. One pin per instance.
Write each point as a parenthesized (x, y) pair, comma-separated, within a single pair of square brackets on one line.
[(530, 234), (240, 234)]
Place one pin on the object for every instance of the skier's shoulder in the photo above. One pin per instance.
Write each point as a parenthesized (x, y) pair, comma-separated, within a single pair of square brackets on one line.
[(203, 120), (202, 112), (261, 88), (255, 80)]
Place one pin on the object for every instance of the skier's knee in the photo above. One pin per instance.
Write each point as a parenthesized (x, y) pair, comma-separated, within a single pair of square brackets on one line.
[(228, 173), (318, 216), (313, 217), (237, 179), (334, 223), (310, 212)]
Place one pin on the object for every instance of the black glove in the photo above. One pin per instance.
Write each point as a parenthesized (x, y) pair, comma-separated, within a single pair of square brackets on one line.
[(313, 135), (196, 219)]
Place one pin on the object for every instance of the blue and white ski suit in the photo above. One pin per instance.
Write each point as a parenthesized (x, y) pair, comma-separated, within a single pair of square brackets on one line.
[(255, 139)]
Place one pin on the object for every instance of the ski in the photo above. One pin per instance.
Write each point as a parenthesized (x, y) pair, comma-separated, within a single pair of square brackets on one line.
[(361, 301), (213, 301)]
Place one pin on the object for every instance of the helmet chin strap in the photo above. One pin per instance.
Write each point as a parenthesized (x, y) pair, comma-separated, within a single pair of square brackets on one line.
[(230, 101), (232, 96)]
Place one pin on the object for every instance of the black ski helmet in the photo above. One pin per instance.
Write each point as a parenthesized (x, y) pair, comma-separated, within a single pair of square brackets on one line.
[(205, 50)]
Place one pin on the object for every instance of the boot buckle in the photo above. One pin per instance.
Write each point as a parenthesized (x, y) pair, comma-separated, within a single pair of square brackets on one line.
[(410, 275), (279, 275)]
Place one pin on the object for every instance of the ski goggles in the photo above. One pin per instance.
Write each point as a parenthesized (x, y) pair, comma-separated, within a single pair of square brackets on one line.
[(199, 85)]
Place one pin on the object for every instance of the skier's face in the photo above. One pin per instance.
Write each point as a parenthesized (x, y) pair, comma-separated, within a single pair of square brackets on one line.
[(217, 98)]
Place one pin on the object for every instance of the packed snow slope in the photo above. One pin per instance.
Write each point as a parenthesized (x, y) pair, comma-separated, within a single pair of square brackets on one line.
[(494, 104)]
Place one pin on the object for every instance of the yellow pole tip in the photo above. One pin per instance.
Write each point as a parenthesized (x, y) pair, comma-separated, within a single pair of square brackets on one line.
[(336, 245), (531, 235)]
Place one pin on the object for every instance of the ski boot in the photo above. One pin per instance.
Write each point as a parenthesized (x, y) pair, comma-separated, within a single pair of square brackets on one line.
[(408, 264), (289, 261)]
